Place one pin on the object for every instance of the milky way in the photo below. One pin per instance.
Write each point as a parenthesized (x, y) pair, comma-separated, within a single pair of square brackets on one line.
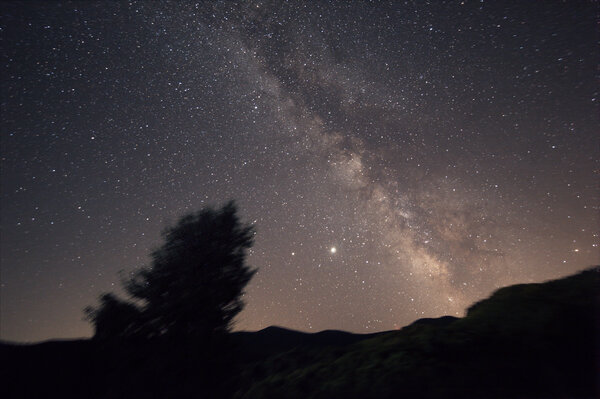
[(399, 160)]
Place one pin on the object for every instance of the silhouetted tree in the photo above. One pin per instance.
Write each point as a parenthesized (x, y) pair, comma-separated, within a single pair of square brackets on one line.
[(194, 285)]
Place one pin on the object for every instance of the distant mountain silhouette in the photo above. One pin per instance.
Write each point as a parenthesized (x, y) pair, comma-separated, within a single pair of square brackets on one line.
[(272, 340), (525, 341)]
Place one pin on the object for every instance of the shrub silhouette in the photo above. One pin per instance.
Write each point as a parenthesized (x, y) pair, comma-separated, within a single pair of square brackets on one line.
[(113, 318), (193, 287)]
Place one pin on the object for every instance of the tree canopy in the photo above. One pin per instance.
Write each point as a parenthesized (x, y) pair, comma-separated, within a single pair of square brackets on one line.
[(193, 287)]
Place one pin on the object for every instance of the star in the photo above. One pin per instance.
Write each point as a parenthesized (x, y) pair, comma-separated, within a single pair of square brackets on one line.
[(396, 136)]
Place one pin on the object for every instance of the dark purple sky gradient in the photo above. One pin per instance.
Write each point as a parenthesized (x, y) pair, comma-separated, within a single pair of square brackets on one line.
[(444, 150)]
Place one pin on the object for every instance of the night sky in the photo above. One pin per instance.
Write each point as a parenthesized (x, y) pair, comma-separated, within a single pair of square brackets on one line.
[(399, 160)]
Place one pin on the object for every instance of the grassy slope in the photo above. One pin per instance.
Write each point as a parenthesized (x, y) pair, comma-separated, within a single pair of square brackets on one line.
[(531, 340)]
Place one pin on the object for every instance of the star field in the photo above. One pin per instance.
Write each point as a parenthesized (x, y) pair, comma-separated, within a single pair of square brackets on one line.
[(399, 160)]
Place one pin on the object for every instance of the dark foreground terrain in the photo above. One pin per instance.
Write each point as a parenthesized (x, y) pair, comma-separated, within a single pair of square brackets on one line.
[(525, 341)]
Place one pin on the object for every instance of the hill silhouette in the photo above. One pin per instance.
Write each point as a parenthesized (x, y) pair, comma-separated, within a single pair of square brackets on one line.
[(529, 340), (525, 341)]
